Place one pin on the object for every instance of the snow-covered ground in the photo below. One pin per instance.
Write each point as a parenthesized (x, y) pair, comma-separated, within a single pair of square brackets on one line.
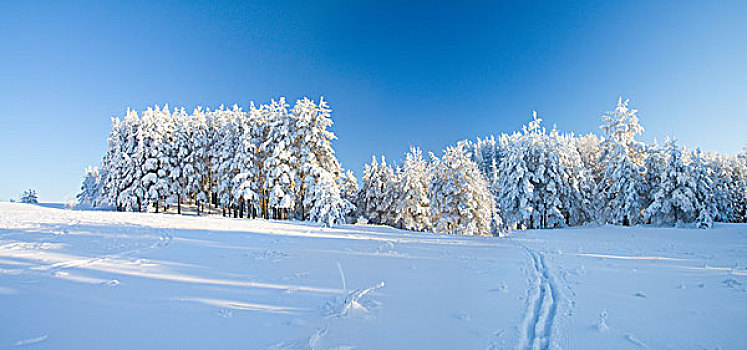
[(104, 280)]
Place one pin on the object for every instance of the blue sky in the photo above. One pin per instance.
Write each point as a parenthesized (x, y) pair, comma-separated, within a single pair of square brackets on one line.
[(396, 74)]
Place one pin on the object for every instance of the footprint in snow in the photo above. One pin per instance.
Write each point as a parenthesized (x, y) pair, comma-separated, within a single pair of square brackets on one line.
[(503, 288), (386, 248), (602, 325), (464, 316), (272, 255), (731, 283), (633, 339), (225, 313)]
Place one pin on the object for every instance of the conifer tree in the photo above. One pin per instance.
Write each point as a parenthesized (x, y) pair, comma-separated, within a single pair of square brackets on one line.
[(674, 198), (460, 200), (412, 207), (621, 190), (90, 190)]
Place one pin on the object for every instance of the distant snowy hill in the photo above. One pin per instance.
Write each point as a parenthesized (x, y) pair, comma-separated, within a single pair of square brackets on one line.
[(112, 280)]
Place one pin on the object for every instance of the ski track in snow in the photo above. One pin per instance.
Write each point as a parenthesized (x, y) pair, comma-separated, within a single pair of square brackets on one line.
[(543, 297)]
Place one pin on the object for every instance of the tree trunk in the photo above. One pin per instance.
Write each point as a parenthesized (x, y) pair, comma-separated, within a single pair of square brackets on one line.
[(178, 204)]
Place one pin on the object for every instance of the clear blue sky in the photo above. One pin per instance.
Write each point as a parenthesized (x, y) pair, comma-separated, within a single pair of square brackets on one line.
[(395, 74)]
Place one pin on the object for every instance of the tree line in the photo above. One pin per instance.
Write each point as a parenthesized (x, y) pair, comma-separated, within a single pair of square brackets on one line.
[(277, 162), (272, 162), (535, 178)]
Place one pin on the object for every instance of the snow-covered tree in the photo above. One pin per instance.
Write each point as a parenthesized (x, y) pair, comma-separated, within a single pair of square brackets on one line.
[(487, 153), (576, 180), (196, 167), (674, 199), (589, 150), (280, 176), (376, 193), (264, 162), (542, 181), (311, 145), (460, 200), (131, 194), (621, 189), (328, 205), (349, 186), (412, 206), (705, 204), (29, 196), (654, 164), (90, 190), (246, 184), (179, 152), (154, 144), (225, 153), (111, 166)]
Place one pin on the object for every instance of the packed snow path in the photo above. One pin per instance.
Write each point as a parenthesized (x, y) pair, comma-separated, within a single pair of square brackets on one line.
[(92, 280)]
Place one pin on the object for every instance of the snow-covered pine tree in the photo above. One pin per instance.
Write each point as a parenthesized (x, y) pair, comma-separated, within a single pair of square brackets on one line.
[(721, 175), (460, 200), (372, 194), (261, 126), (542, 182), (674, 198), (311, 146), (588, 147), (154, 147), (484, 154), (111, 167), (328, 205), (196, 168), (224, 155), (279, 181), (705, 204), (131, 195), (738, 189), (654, 164), (366, 199), (349, 187), (514, 188), (376, 193), (621, 190), (739, 192), (392, 176), (412, 206), (246, 184), (90, 190), (166, 157), (179, 152), (29, 196), (575, 179)]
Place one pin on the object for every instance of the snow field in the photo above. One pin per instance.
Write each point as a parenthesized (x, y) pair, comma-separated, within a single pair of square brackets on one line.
[(95, 279)]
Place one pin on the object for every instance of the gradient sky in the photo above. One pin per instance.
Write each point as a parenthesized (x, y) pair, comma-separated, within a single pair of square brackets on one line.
[(395, 74)]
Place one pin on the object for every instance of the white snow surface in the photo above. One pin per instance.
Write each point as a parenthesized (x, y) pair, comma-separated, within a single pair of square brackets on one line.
[(106, 280)]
